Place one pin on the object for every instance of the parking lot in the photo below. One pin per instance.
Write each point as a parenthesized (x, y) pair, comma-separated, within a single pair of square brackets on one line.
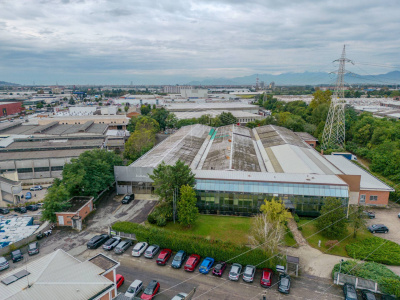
[(388, 217)]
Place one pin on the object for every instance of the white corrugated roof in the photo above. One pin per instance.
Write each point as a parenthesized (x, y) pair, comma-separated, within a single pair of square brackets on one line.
[(368, 181), (269, 177), (56, 276)]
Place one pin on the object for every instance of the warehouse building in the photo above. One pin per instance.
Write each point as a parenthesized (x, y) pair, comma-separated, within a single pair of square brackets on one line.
[(236, 168), (10, 108), (242, 117)]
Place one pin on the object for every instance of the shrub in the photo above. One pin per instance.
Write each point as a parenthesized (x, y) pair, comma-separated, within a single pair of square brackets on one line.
[(151, 218), (300, 228), (388, 281), (219, 250), (161, 220), (296, 218), (290, 234), (331, 243), (375, 249)]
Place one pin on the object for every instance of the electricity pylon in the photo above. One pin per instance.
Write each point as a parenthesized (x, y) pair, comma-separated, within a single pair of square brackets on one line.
[(334, 130)]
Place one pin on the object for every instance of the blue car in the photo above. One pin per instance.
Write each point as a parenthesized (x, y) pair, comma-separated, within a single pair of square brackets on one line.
[(206, 265), (179, 258), (28, 196)]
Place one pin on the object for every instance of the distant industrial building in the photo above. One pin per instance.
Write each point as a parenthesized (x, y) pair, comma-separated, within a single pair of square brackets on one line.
[(236, 168), (241, 116), (194, 93), (10, 108), (175, 89), (212, 106)]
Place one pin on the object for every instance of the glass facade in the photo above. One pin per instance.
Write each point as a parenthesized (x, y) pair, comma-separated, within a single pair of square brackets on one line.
[(245, 197)]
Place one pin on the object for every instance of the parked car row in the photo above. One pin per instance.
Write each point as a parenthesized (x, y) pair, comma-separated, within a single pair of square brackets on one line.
[(350, 293), (189, 262), (17, 255), (21, 209), (149, 292)]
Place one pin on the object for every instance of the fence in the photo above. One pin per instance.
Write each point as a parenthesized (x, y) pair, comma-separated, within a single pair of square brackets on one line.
[(359, 283)]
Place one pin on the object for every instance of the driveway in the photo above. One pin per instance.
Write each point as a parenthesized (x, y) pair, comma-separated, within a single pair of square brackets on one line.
[(388, 217)]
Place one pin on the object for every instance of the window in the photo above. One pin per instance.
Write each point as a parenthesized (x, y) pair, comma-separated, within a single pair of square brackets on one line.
[(57, 168), (24, 170), (362, 198), (42, 169), (373, 198)]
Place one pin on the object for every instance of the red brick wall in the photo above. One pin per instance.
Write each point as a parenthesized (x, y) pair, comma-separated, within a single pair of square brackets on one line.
[(67, 219), (84, 212), (383, 197), (10, 109), (312, 143)]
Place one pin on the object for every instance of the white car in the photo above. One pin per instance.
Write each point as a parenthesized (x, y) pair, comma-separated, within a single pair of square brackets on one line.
[(139, 249), (134, 289), (234, 274), (36, 188), (180, 296)]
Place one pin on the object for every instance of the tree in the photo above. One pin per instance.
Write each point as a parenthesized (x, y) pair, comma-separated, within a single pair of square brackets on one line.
[(146, 122), (91, 172), (275, 211), (145, 109), (139, 143), (187, 210), (227, 118), (320, 97), (171, 121), (126, 108), (332, 221), (55, 201), (71, 101), (160, 115), (357, 218), (39, 105), (168, 178)]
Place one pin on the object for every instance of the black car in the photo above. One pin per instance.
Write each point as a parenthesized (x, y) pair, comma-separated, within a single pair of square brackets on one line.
[(4, 211), (21, 210), (284, 283), (369, 214), (349, 291), (367, 295), (16, 256), (98, 240), (378, 228), (33, 248), (32, 207), (128, 198)]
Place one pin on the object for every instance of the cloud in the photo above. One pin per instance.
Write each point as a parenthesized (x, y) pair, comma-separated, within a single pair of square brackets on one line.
[(204, 38)]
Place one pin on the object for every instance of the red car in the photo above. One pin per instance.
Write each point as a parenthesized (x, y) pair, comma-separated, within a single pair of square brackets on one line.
[(266, 277), (163, 257), (151, 290), (192, 262), (120, 280)]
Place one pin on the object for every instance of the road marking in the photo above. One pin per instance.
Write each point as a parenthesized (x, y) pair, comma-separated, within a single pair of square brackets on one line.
[(117, 209)]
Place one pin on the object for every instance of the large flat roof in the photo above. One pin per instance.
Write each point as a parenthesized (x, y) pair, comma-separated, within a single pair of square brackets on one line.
[(58, 129), (197, 114), (368, 181), (210, 106), (23, 155)]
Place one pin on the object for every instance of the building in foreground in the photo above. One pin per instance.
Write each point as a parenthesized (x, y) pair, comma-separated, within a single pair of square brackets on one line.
[(60, 276), (236, 168), (80, 208)]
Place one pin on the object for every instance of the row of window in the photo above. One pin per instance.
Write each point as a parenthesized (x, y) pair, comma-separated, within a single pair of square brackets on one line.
[(272, 188), (39, 169), (371, 198)]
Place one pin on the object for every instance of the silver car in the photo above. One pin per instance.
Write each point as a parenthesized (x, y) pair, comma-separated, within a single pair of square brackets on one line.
[(3, 263), (111, 243), (248, 274), (134, 289), (122, 246), (151, 251), (235, 271), (139, 249)]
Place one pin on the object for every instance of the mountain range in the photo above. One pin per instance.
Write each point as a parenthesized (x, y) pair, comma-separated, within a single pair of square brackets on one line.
[(306, 78)]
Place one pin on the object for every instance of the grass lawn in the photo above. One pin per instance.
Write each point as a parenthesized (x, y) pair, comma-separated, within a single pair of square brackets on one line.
[(310, 229), (232, 229)]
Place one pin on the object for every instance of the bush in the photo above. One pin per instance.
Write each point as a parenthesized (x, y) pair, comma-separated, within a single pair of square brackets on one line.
[(300, 228), (290, 234), (151, 218), (375, 249), (331, 243), (217, 249), (388, 281), (296, 218), (161, 220)]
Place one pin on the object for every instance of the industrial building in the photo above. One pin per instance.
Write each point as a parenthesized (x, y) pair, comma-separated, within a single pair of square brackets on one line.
[(41, 151), (212, 106), (79, 209), (10, 188), (61, 276), (14, 229), (236, 168), (242, 117), (10, 108)]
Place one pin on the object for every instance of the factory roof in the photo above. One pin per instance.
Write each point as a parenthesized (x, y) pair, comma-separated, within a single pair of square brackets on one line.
[(197, 114), (22, 155), (210, 106), (305, 136), (57, 275), (76, 203), (87, 127), (267, 149), (368, 181)]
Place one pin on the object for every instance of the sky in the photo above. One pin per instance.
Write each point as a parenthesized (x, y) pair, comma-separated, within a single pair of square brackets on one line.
[(171, 42)]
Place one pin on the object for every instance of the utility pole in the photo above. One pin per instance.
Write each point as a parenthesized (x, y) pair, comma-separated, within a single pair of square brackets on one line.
[(334, 130)]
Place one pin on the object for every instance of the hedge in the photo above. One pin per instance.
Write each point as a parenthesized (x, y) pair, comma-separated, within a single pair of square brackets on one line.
[(388, 281), (372, 249), (219, 250)]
